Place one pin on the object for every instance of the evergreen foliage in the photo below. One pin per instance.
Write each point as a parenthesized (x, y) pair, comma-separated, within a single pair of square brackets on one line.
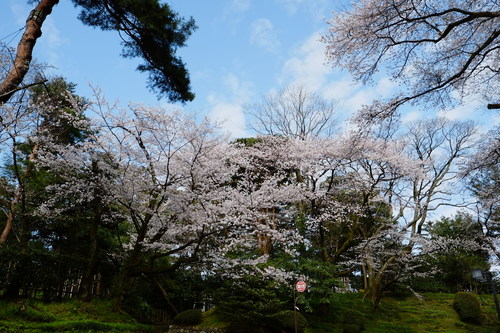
[(152, 31), (454, 266), (251, 304)]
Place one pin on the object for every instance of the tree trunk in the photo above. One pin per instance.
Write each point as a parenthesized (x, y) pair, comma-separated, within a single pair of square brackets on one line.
[(85, 291), (165, 295), (125, 277), (25, 47), (88, 277)]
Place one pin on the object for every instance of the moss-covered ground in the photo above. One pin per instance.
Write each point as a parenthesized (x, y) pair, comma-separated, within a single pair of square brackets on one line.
[(430, 313)]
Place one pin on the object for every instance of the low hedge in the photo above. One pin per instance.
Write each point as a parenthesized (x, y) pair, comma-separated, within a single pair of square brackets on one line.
[(188, 318), (468, 307), (285, 322)]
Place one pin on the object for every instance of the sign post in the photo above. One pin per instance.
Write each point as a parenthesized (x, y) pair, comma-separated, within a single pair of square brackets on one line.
[(300, 286)]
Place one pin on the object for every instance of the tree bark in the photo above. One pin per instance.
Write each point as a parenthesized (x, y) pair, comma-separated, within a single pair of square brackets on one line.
[(24, 51)]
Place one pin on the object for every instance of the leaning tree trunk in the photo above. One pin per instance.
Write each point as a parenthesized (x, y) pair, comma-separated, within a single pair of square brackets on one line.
[(24, 53)]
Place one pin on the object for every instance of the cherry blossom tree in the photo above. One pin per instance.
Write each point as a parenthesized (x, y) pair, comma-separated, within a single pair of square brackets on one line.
[(186, 195), (416, 178), (440, 51)]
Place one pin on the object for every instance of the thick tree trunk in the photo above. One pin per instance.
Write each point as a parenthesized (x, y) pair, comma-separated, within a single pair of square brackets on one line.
[(25, 49), (124, 281), (127, 273)]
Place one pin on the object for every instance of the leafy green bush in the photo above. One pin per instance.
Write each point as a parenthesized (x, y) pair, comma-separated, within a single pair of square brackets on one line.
[(468, 307), (285, 322), (354, 318), (188, 317)]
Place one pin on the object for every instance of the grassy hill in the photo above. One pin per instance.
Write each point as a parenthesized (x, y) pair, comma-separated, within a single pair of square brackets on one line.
[(430, 313), (71, 316)]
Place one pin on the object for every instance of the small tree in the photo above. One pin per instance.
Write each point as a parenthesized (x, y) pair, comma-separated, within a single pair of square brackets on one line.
[(455, 265)]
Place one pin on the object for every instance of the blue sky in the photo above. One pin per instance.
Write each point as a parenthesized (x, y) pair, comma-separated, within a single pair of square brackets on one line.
[(242, 50)]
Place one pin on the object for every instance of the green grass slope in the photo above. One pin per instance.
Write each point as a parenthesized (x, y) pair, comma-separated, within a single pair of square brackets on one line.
[(71, 316), (432, 313)]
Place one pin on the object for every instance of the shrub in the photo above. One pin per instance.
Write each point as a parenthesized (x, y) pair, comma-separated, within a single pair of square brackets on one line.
[(188, 317), (354, 317), (285, 322), (400, 291), (468, 307), (250, 304)]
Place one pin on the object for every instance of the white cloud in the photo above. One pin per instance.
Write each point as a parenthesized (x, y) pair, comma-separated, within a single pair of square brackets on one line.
[(237, 6), (307, 65), (340, 89), (467, 110), (231, 117), (360, 98), (263, 35), (365, 95), (240, 91), (228, 110), (51, 42), (385, 87), (411, 116)]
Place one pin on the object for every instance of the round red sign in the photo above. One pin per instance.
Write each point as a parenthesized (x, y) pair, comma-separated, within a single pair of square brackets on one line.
[(301, 286)]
